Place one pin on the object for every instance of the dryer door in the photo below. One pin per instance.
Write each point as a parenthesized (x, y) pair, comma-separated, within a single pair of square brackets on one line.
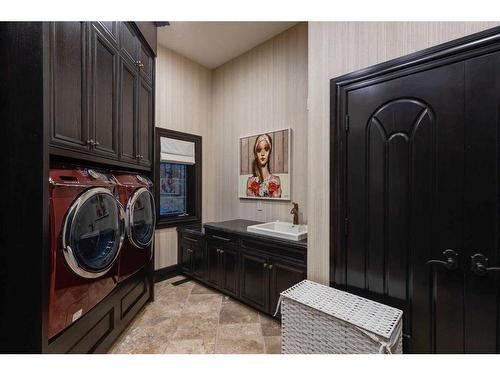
[(93, 233), (141, 218)]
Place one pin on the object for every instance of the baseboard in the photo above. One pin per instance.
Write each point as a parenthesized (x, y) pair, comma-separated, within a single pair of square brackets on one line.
[(167, 272)]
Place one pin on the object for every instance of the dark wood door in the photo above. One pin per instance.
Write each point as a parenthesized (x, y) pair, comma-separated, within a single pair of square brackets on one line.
[(128, 111), (213, 273), (68, 84), (404, 188), (229, 271), (104, 96), (254, 280), (144, 133), (283, 276), (481, 194)]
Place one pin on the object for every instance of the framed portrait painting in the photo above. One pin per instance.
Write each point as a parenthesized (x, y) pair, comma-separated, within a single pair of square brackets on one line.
[(264, 165)]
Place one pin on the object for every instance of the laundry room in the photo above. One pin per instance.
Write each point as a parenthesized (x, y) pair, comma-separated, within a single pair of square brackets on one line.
[(230, 185)]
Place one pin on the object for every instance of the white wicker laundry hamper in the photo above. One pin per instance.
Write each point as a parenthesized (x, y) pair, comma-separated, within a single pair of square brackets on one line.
[(318, 319)]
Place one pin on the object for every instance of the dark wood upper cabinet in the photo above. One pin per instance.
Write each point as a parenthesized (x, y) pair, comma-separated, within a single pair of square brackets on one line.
[(144, 134), (104, 103), (100, 93), (128, 111), (111, 28), (146, 64), (68, 84), (128, 42)]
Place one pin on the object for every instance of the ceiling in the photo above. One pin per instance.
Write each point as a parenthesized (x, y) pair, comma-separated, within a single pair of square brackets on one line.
[(211, 44)]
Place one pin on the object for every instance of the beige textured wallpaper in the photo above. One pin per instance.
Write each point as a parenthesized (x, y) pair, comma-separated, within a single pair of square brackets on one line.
[(183, 103), (336, 48), (262, 90)]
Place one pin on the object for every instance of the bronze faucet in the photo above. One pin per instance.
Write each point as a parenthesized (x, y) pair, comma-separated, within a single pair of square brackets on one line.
[(295, 212)]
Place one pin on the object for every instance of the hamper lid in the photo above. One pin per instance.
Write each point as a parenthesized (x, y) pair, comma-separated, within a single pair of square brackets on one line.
[(366, 314)]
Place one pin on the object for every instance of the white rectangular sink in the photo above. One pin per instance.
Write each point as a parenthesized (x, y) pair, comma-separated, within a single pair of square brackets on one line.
[(280, 229)]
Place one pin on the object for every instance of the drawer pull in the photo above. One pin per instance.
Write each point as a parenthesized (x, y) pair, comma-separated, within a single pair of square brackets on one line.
[(221, 238)]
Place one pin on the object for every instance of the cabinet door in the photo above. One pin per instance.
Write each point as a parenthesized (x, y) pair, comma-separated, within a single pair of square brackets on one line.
[(68, 84), (212, 274), (186, 261), (254, 280), (198, 257), (283, 276), (128, 42), (104, 99), (128, 111), (229, 280), (144, 136), (146, 63)]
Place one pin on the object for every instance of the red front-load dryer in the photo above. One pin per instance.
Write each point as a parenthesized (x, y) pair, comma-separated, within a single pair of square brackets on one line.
[(135, 195), (87, 225)]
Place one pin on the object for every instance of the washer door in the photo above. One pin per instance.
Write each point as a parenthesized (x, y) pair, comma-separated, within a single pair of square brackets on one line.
[(141, 218), (93, 233)]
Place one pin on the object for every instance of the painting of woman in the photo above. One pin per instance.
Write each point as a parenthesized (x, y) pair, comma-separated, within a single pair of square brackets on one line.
[(263, 183)]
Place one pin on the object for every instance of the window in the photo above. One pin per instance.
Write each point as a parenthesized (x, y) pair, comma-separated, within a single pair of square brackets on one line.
[(178, 178)]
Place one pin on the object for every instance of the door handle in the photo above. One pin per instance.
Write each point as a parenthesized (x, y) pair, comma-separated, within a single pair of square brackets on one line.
[(479, 265), (451, 262)]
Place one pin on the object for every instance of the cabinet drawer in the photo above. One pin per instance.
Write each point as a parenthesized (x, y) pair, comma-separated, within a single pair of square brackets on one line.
[(222, 239), (280, 251)]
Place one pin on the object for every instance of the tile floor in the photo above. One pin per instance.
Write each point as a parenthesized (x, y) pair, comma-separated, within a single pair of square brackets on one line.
[(191, 318)]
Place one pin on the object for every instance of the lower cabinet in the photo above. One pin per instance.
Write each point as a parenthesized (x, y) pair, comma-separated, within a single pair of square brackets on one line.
[(254, 280), (222, 267), (192, 256), (255, 275)]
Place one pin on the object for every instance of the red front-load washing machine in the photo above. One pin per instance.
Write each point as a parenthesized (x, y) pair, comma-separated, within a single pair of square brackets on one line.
[(135, 195), (87, 225)]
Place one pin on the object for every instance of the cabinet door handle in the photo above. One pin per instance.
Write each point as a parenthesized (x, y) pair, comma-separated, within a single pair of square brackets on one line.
[(189, 251), (222, 251), (218, 251), (479, 265), (265, 265), (96, 143), (270, 267), (90, 142)]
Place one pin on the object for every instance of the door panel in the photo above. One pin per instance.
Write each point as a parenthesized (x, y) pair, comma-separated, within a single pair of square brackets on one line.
[(482, 293), (104, 94), (404, 184), (128, 112), (68, 53), (254, 280)]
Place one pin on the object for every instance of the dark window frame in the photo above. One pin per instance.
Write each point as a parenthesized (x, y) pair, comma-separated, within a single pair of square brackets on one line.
[(196, 176)]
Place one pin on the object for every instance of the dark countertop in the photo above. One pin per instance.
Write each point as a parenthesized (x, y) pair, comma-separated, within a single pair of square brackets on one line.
[(239, 226)]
